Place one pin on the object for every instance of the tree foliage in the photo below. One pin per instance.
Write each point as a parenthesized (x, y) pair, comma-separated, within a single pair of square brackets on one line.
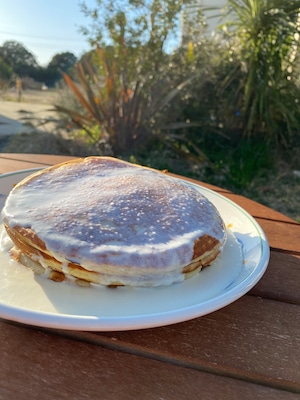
[(16, 60), (131, 78), (60, 62), (5, 70), (138, 22), (5, 75), (19, 59), (139, 33)]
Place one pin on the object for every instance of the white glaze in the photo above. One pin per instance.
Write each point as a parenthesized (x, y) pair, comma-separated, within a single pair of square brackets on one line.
[(107, 212)]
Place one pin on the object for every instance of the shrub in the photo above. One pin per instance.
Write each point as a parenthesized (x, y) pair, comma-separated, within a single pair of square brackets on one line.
[(125, 86), (263, 36)]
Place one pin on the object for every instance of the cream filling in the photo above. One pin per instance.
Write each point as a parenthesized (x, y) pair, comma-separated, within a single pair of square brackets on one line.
[(39, 266)]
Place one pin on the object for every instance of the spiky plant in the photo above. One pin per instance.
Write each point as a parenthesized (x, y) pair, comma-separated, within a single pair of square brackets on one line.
[(264, 38), (127, 84), (124, 110)]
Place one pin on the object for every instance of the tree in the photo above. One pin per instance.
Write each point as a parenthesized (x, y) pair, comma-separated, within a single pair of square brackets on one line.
[(140, 32), (5, 75), (137, 21), (5, 70), (16, 56), (130, 78), (61, 62)]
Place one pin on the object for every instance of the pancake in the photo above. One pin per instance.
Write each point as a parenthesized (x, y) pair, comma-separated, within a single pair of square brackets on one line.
[(109, 222)]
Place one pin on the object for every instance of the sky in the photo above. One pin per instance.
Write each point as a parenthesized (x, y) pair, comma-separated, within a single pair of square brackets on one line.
[(48, 27), (44, 27)]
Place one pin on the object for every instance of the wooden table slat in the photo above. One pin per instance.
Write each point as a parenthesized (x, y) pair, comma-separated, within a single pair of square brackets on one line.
[(47, 159), (281, 236), (258, 210), (281, 279), (40, 365), (12, 162), (231, 340)]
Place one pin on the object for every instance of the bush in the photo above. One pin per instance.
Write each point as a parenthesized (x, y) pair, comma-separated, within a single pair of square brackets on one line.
[(126, 88), (263, 81)]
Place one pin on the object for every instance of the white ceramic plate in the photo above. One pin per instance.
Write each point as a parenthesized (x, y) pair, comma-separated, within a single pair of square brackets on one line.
[(31, 299)]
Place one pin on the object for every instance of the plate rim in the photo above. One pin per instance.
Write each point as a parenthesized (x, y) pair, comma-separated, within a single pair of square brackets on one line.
[(151, 320)]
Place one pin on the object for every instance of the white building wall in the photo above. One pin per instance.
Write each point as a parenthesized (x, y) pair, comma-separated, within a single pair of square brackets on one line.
[(211, 16)]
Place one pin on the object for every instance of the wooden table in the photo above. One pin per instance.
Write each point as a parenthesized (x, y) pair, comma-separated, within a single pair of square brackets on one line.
[(247, 350)]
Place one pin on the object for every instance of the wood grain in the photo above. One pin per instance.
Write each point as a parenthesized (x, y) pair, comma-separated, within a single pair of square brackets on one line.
[(252, 338), (282, 236), (12, 162), (45, 366), (281, 280)]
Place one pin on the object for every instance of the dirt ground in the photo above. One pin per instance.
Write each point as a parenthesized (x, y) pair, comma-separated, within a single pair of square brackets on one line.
[(17, 116), (31, 96)]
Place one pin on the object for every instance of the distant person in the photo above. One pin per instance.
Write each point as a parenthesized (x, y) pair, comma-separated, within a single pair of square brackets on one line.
[(19, 88)]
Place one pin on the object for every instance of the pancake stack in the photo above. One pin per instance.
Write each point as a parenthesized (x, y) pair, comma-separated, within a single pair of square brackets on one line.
[(105, 221)]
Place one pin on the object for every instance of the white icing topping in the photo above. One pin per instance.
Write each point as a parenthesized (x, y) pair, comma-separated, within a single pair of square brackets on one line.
[(104, 211)]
